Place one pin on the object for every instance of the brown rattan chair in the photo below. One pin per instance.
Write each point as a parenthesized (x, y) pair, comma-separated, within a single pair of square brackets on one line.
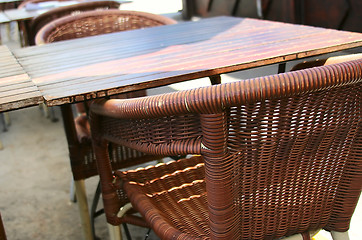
[(53, 14), (2, 230), (24, 26), (277, 156), (102, 22), (77, 129)]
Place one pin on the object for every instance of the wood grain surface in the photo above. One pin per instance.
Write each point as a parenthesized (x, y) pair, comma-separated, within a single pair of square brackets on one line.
[(98, 66)]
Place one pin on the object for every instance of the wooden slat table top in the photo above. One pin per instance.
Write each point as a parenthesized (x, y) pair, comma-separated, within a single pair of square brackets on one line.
[(22, 14), (16, 88), (9, 1), (88, 68), (4, 18), (26, 14)]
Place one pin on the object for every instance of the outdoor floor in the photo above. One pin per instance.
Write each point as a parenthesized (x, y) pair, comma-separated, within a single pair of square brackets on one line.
[(35, 175)]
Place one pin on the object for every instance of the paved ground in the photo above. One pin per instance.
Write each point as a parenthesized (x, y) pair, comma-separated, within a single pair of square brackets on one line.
[(35, 173)]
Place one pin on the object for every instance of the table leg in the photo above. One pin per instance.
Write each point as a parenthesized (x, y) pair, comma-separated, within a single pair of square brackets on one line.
[(83, 209), (3, 122), (80, 190), (281, 67), (215, 79), (188, 9)]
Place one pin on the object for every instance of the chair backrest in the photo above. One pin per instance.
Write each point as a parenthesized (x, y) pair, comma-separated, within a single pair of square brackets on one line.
[(2, 230), (101, 22), (43, 19), (283, 153)]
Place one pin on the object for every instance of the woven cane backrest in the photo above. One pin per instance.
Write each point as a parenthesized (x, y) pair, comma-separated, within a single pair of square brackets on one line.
[(283, 153), (287, 160), (92, 23)]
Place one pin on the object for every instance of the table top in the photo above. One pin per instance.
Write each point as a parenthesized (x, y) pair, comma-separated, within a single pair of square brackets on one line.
[(4, 18), (21, 14), (16, 88), (9, 1), (87, 68), (92, 67), (36, 9)]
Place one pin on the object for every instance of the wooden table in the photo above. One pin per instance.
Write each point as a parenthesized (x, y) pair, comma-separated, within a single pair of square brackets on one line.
[(27, 14), (88, 68), (4, 18), (16, 88)]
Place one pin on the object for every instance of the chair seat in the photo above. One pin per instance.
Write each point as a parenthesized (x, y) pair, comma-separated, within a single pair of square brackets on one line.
[(176, 188)]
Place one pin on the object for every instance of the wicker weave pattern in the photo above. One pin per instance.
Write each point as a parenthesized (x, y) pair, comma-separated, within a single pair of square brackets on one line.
[(299, 161), (143, 135), (92, 23), (162, 185), (282, 154)]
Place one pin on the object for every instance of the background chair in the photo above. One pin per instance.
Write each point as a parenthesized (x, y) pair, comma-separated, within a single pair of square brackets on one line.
[(279, 155), (53, 14), (38, 22), (24, 26), (77, 129)]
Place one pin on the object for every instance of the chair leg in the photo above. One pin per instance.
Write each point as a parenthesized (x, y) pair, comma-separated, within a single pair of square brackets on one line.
[(126, 231), (52, 116), (7, 119), (114, 232), (2, 120), (72, 196), (93, 211), (306, 235), (83, 209), (44, 109), (339, 235)]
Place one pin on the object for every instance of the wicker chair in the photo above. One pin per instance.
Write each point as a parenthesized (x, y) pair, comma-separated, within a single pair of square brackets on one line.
[(101, 21), (53, 14), (2, 230), (24, 26), (77, 129), (277, 156)]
